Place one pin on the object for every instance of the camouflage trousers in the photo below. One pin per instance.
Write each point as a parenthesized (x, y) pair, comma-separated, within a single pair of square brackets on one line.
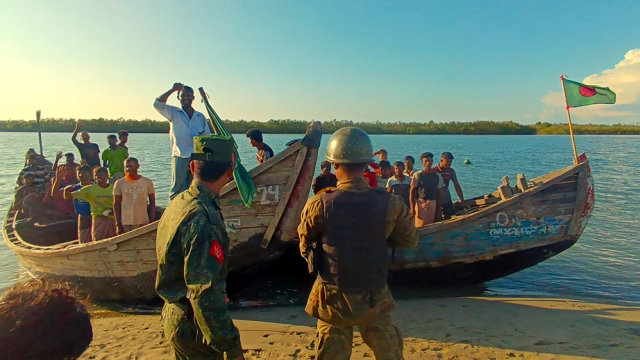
[(185, 336), (382, 335)]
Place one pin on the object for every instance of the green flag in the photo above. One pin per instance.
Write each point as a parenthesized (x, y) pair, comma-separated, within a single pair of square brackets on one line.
[(579, 94), (243, 180)]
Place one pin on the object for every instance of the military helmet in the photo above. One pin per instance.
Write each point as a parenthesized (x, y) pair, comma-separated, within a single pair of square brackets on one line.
[(350, 145)]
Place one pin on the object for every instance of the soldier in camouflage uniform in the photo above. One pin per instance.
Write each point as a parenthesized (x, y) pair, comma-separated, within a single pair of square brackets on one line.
[(345, 233), (192, 244)]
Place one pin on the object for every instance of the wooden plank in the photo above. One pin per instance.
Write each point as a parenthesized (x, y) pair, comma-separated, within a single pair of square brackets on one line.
[(256, 209), (302, 156), (581, 196), (280, 177), (505, 191), (521, 182)]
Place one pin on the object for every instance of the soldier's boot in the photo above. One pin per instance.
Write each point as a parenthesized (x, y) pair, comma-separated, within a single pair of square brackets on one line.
[(383, 337), (334, 342)]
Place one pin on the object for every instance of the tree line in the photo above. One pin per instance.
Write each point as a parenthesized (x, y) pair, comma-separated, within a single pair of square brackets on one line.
[(289, 126)]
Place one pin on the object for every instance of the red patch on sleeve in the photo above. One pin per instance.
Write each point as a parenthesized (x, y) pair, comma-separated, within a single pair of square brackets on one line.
[(216, 251)]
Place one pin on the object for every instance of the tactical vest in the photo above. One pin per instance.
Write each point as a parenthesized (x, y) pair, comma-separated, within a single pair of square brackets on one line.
[(428, 185), (354, 247)]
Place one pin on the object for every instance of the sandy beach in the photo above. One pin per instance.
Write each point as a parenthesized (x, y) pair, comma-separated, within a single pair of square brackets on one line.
[(443, 328)]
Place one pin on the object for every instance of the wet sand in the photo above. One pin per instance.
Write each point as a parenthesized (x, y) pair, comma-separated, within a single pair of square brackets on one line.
[(443, 328)]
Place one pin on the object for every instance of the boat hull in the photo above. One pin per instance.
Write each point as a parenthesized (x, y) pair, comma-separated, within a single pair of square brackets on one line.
[(124, 267), (504, 238)]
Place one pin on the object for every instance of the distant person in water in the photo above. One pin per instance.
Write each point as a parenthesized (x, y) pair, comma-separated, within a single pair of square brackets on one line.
[(326, 179), (427, 190), (123, 136), (82, 207), (88, 150), (70, 167), (100, 197), (113, 159), (400, 183), (263, 152), (42, 320), (130, 199), (409, 161), (448, 176), (184, 124)]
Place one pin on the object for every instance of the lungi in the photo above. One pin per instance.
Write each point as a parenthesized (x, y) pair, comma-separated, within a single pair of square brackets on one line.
[(425, 212), (104, 227)]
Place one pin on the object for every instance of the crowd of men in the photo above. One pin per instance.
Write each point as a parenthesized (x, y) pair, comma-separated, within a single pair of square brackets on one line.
[(345, 231), (424, 191), (107, 198)]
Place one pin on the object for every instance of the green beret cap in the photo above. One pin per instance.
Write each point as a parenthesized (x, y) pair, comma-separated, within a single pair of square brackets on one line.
[(216, 148)]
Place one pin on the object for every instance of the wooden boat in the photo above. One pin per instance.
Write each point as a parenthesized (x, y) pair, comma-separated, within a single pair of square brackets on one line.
[(502, 233), (124, 267)]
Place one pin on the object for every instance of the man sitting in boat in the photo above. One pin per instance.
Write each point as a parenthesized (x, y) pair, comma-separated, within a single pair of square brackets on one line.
[(263, 152), (40, 160), (100, 197), (427, 190), (326, 179), (399, 184), (54, 196), (448, 175), (82, 207), (40, 173), (43, 320), (28, 188), (130, 199), (70, 167)]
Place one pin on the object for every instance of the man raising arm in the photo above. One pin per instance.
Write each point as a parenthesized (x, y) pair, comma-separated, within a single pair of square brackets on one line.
[(185, 123)]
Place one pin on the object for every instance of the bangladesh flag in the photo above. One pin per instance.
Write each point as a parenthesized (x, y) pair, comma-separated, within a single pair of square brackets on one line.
[(579, 94)]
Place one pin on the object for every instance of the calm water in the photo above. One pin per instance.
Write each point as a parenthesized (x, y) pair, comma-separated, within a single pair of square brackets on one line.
[(604, 263)]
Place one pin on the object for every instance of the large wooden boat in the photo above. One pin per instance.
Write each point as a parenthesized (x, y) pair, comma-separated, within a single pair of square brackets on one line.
[(124, 267), (503, 232)]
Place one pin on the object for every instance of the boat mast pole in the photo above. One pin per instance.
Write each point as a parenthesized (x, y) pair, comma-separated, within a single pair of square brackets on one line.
[(573, 139), (39, 133)]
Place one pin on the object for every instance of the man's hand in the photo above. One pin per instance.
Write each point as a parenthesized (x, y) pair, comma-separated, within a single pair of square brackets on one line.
[(426, 204), (177, 87), (60, 171), (413, 211), (58, 155), (78, 125), (83, 162)]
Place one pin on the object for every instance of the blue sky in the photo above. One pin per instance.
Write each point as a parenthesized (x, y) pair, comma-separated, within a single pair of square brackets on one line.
[(358, 60)]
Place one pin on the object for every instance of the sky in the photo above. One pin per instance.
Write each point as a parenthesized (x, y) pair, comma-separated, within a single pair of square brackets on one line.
[(358, 60)]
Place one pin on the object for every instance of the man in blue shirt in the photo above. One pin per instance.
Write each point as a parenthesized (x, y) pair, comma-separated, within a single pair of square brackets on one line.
[(185, 124), (82, 208)]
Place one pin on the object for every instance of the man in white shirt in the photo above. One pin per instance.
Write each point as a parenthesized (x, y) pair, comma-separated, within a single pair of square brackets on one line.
[(186, 123)]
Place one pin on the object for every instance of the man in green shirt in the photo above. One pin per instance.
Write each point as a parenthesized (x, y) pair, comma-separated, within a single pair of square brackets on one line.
[(192, 247), (113, 158), (100, 198)]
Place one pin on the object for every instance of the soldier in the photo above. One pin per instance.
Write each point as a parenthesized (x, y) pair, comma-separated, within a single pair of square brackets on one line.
[(344, 235), (192, 245)]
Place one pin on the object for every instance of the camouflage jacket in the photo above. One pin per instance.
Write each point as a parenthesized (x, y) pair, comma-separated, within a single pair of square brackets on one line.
[(327, 302), (191, 246)]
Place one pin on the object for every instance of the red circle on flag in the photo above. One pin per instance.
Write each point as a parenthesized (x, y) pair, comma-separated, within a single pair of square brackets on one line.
[(587, 91)]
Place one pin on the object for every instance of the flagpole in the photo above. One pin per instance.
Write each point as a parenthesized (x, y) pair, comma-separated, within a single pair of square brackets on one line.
[(573, 139)]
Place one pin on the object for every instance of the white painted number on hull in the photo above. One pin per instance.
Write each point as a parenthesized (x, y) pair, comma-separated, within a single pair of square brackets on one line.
[(267, 194)]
